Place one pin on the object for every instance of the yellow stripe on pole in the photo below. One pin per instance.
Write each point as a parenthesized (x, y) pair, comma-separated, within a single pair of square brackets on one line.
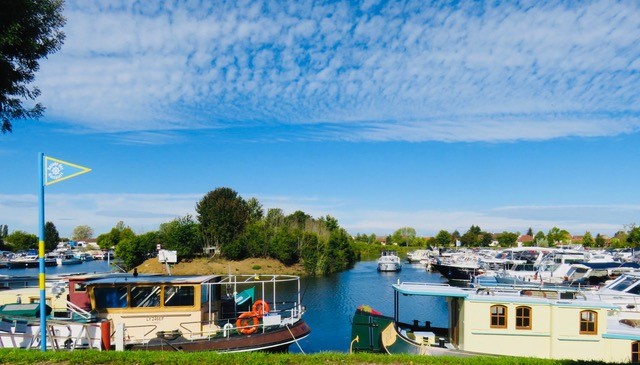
[(41, 276), (40, 248)]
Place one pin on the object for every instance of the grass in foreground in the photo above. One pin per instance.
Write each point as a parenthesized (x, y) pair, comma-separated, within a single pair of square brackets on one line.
[(91, 357)]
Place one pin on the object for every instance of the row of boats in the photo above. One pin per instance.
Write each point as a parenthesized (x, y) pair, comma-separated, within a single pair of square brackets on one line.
[(524, 265), (31, 259), (532, 302)]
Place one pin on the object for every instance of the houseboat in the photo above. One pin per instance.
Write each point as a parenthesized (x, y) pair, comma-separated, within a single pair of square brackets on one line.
[(541, 323), (178, 313)]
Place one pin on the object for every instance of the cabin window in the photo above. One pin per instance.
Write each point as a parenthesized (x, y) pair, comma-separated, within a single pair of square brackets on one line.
[(588, 323), (204, 293), (79, 287), (635, 352), (498, 316), (111, 297), (634, 290), (145, 296), (175, 296), (623, 284), (523, 318)]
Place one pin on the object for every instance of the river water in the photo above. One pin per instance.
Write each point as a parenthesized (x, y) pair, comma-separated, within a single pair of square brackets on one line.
[(330, 301)]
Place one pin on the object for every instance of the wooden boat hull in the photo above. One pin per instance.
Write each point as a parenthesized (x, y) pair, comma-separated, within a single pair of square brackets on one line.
[(273, 340)]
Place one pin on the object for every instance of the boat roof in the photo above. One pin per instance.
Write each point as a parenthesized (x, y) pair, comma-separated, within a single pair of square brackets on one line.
[(154, 279), (499, 294), (431, 289)]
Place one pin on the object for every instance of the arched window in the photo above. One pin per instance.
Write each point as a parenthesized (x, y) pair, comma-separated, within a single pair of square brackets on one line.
[(498, 316), (588, 323), (523, 318)]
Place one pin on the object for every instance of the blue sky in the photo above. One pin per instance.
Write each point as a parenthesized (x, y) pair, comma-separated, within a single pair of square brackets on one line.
[(506, 115)]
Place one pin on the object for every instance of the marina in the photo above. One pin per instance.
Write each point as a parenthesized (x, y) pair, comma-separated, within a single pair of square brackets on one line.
[(330, 301)]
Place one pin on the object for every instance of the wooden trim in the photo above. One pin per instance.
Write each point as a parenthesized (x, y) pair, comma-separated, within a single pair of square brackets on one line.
[(499, 318), (587, 326), (524, 318)]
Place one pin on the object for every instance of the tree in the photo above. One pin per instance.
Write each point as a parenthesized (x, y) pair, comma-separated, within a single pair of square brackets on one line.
[(82, 233), (470, 238), (222, 215), (404, 236), (256, 212), (133, 251), (507, 239), (275, 217), (51, 236), (443, 239), (634, 237), (600, 241), (21, 240), (182, 235), (118, 233), (29, 31), (455, 236), (3, 234), (540, 239), (557, 235), (587, 239)]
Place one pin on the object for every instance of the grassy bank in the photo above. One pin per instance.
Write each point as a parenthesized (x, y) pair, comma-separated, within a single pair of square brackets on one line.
[(142, 358)]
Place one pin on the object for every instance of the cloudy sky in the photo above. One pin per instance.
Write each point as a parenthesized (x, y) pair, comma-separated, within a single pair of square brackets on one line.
[(383, 114)]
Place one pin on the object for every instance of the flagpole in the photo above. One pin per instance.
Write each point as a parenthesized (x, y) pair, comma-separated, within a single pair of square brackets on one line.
[(43, 298)]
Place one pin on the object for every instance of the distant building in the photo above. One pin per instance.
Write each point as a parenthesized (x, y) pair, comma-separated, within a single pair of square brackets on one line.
[(577, 239), (524, 240)]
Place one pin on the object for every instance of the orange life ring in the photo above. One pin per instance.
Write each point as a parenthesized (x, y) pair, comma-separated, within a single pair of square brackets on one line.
[(260, 307), (247, 323)]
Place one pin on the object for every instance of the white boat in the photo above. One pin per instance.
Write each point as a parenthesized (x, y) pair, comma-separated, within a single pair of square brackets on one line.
[(68, 259), (389, 261), (533, 322), (419, 256)]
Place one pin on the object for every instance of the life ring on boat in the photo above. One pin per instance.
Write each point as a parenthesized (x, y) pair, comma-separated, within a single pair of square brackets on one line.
[(247, 323), (260, 307)]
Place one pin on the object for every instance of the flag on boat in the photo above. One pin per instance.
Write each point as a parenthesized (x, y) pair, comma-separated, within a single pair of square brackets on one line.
[(56, 170)]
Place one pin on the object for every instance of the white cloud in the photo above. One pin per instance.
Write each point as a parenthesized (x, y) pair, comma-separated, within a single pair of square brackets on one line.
[(141, 67), (145, 212), (142, 212)]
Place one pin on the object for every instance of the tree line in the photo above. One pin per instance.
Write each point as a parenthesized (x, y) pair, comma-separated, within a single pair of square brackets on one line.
[(476, 237), (234, 228)]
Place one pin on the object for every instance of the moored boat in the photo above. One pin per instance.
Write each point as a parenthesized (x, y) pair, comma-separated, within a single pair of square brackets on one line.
[(389, 261), (532, 322), (69, 259), (30, 261), (185, 313)]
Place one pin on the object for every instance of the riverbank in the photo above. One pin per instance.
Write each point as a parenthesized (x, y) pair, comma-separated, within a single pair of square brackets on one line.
[(206, 266), (81, 357)]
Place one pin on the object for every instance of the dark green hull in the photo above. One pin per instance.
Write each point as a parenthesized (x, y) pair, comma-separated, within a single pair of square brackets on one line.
[(366, 331), (374, 332)]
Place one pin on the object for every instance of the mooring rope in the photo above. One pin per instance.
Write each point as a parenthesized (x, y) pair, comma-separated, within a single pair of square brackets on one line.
[(294, 339)]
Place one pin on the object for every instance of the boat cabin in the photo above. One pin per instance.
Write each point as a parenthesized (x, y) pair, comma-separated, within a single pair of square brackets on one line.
[(532, 322), (150, 304)]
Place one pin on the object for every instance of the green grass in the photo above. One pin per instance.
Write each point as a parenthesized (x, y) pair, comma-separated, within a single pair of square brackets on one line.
[(90, 357)]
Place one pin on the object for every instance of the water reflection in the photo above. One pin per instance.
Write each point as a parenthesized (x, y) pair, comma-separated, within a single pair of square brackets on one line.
[(331, 302)]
